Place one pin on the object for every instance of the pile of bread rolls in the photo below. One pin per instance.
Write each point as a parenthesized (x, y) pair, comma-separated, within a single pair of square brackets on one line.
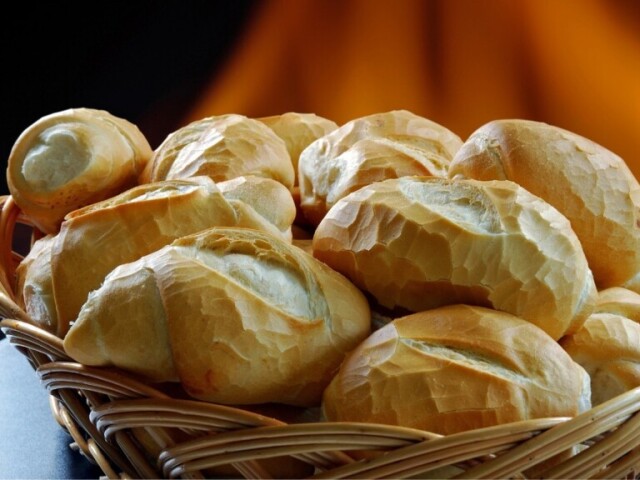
[(384, 269)]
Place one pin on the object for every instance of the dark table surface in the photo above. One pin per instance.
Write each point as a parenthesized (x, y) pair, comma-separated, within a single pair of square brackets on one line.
[(32, 444)]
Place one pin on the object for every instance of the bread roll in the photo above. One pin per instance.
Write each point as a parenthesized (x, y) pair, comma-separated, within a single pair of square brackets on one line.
[(456, 368), (260, 203), (238, 315), (298, 130), (418, 243), (608, 347), (221, 147), (70, 159), (619, 301), (633, 284), (370, 149), (590, 185), (34, 291), (96, 239)]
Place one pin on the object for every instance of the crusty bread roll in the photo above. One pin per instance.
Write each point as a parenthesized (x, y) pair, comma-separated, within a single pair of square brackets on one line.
[(221, 147), (369, 149), (608, 347), (34, 291), (590, 185), (262, 202), (619, 301), (96, 239), (423, 242), (456, 368), (72, 158), (298, 130), (633, 284), (238, 315)]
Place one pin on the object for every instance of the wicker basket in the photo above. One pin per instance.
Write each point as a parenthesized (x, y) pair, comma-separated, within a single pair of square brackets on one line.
[(132, 429)]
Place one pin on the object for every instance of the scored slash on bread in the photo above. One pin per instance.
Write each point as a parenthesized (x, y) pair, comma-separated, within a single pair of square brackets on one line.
[(590, 185), (97, 238), (369, 149), (73, 158), (456, 368), (422, 242), (221, 147), (239, 316)]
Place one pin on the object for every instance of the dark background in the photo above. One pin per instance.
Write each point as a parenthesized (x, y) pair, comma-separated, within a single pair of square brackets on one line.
[(144, 61)]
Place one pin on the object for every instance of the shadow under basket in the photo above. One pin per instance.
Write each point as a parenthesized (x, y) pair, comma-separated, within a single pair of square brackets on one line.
[(131, 429)]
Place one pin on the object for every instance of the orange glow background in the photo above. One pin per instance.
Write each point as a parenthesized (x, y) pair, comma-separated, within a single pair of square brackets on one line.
[(461, 63)]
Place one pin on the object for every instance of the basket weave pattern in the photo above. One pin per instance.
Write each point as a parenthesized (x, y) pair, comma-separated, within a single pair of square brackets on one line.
[(131, 429)]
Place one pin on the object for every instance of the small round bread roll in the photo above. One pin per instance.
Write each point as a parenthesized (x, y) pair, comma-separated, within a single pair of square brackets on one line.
[(619, 301), (96, 239), (608, 347), (587, 183), (221, 147), (73, 158), (34, 291), (456, 368), (298, 130), (416, 243), (239, 316), (369, 149)]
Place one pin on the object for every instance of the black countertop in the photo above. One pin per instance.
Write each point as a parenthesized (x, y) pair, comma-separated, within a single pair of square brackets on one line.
[(32, 444)]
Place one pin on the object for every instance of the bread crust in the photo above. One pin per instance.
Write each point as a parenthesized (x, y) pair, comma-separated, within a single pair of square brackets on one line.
[(34, 290), (422, 242), (298, 131), (221, 147), (456, 368), (608, 347), (369, 149), (590, 185), (96, 239), (619, 301), (73, 158), (249, 318)]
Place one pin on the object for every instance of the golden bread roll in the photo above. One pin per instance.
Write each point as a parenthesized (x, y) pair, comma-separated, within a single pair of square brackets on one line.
[(587, 183), (239, 316), (261, 201), (34, 291), (96, 239), (417, 243), (221, 147), (619, 301), (456, 368), (633, 284), (298, 130), (608, 347), (73, 158), (370, 149)]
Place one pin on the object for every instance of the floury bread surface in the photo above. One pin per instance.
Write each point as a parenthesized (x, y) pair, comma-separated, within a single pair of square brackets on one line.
[(237, 315), (96, 239), (369, 149), (587, 183), (73, 158), (221, 147), (456, 368), (418, 243)]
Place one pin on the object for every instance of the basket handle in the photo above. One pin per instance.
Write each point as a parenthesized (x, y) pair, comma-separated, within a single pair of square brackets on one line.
[(10, 214)]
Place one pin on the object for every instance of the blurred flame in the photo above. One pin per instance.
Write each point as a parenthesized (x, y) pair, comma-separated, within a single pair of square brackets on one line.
[(462, 63)]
